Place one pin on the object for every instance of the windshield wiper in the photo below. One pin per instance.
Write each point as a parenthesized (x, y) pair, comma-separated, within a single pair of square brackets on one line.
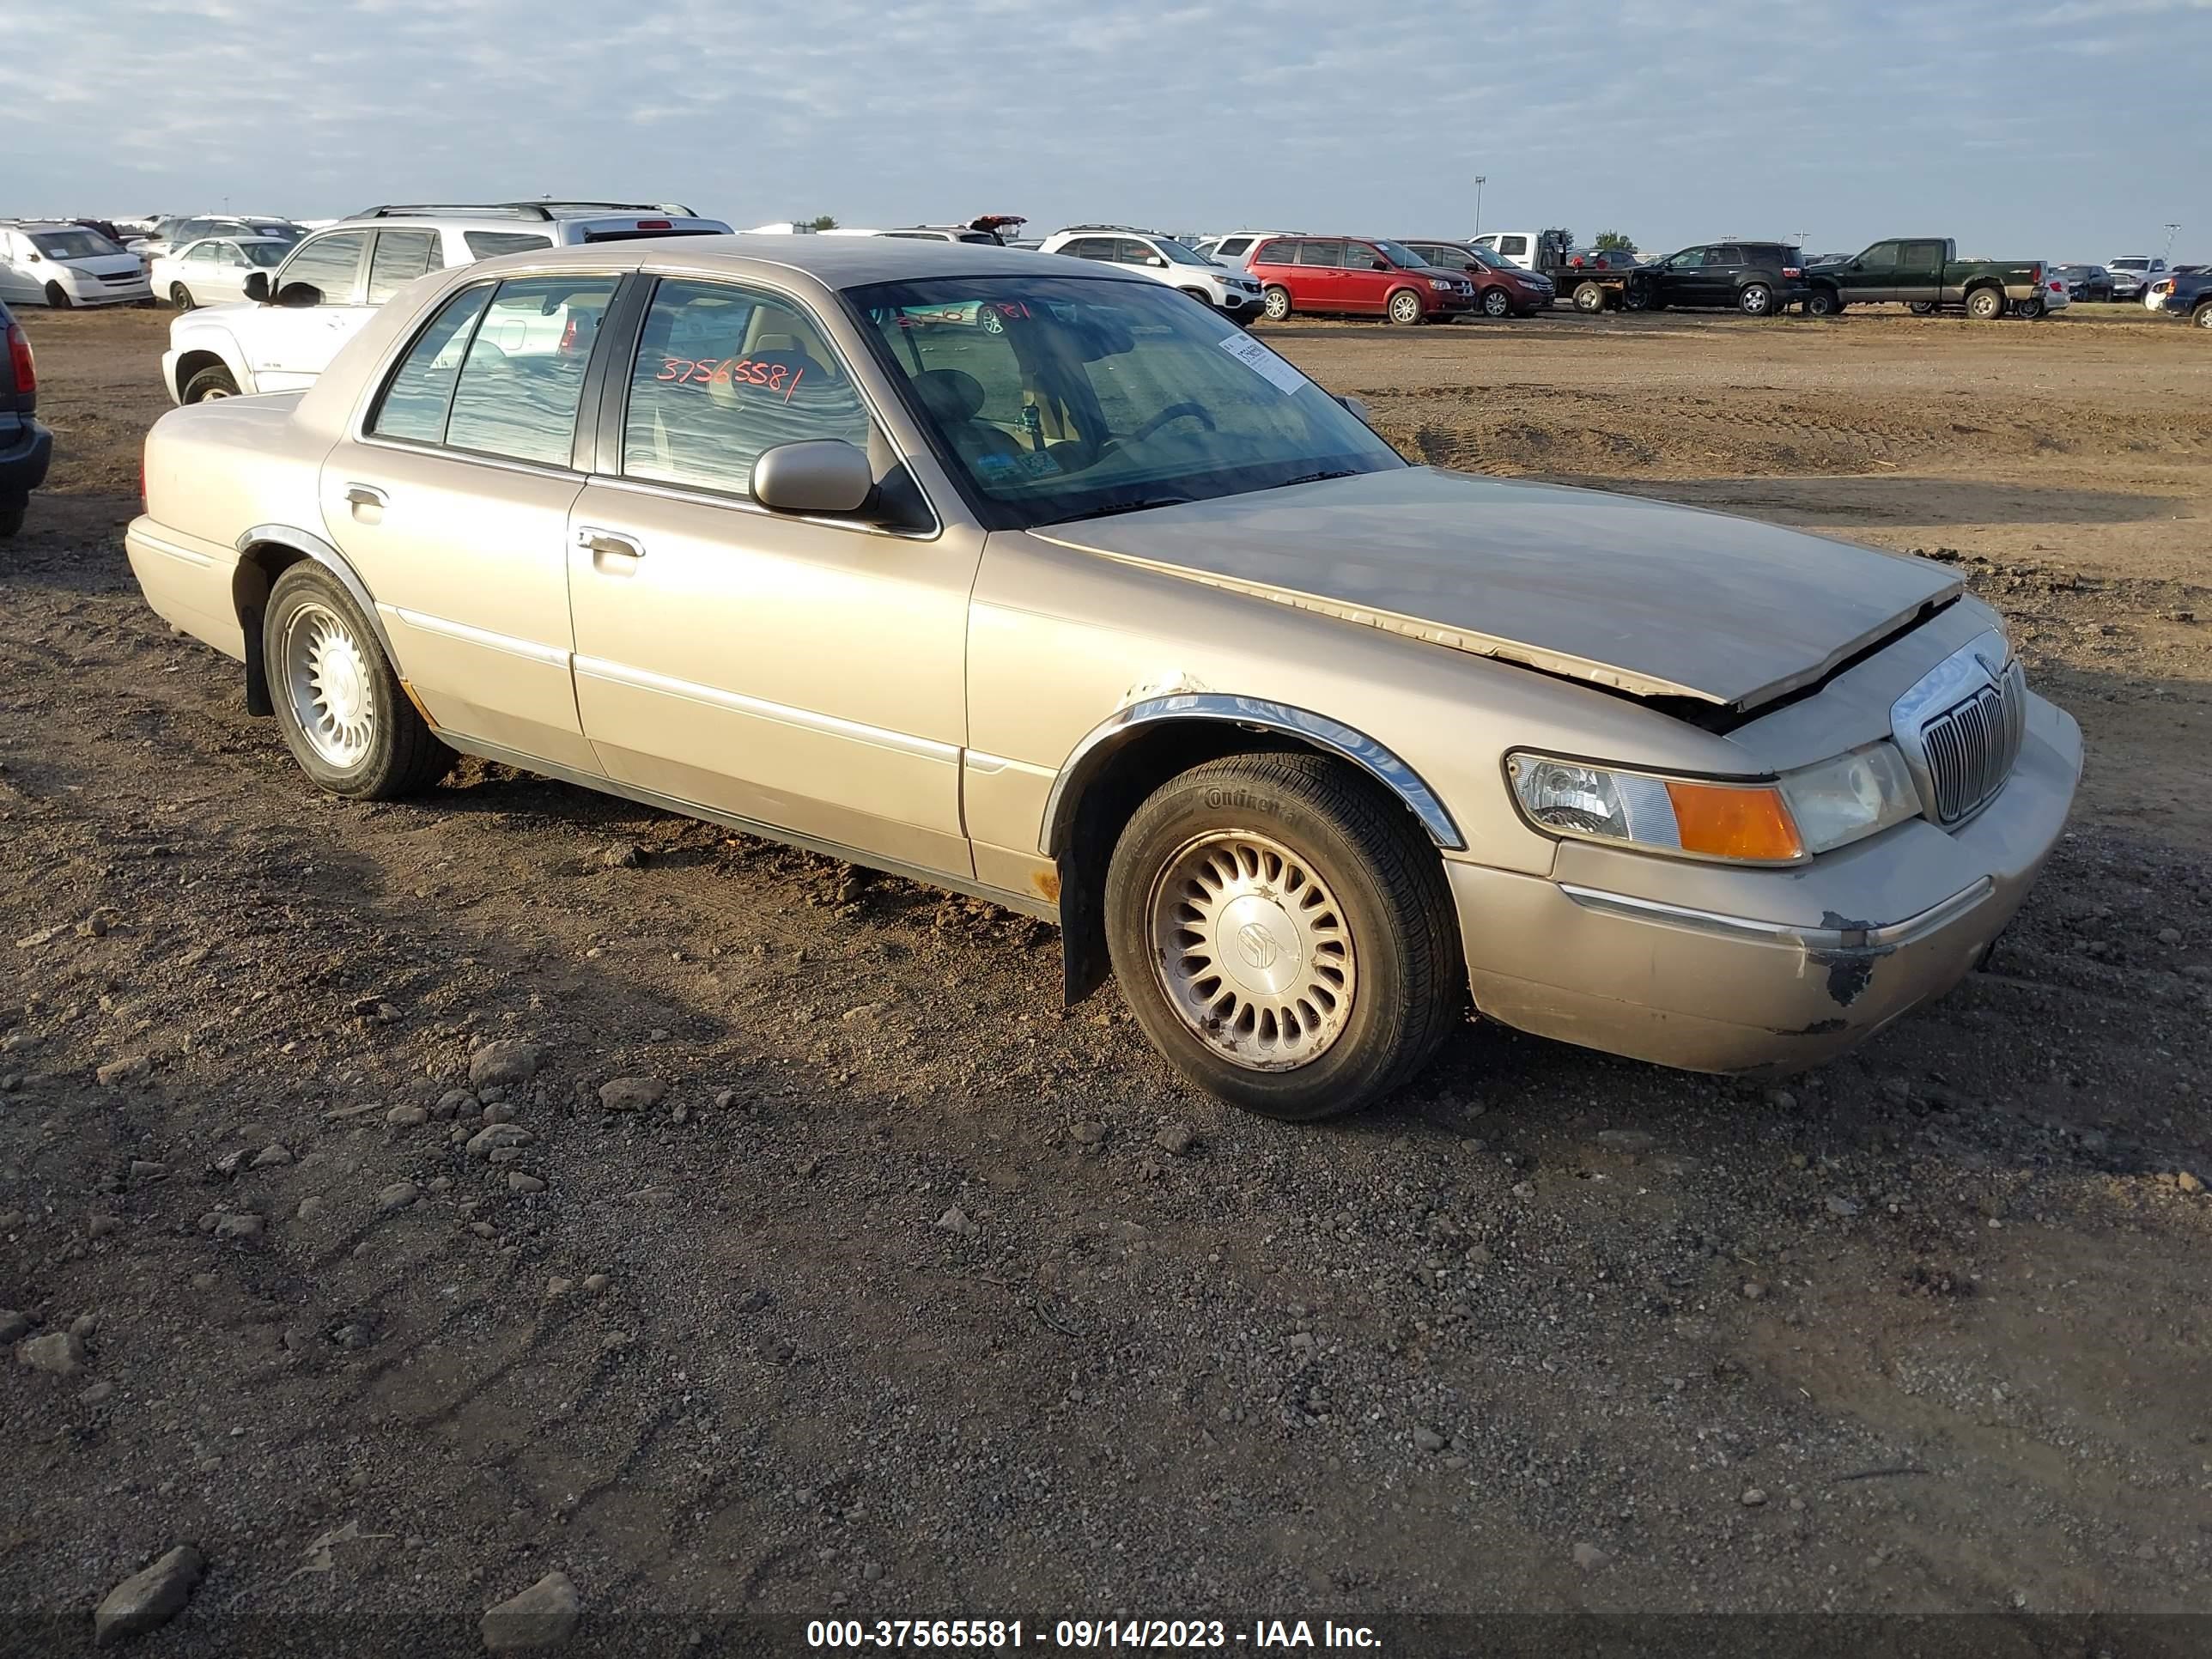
[(1145, 505), (1316, 477)]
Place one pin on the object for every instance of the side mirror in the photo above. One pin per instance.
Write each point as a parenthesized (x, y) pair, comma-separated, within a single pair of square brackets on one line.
[(1156, 262), (302, 294), (1357, 407), (256, 286), (814, 475), (1379, 264), (36, 256)]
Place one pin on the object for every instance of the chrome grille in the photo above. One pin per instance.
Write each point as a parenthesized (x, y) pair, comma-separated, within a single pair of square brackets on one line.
[(1970, 747)]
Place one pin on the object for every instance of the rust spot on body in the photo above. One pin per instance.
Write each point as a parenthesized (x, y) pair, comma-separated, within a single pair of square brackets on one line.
[(1046, 882)]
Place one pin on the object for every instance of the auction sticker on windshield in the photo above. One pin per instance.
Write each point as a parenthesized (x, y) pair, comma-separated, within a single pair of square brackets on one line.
[(1276, 371)]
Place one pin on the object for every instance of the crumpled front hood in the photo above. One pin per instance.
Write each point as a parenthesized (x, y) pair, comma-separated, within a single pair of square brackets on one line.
[(1656, 599)]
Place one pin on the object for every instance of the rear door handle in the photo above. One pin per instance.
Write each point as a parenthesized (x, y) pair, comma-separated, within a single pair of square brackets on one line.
[(609, 541), (361, 494)]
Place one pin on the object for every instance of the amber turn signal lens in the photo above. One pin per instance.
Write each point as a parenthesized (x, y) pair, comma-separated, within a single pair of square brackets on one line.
[(1734, 823)]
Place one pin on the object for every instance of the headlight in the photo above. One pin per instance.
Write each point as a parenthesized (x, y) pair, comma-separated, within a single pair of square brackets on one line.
[(1850, 797), (1440, 285), (1813, 810)]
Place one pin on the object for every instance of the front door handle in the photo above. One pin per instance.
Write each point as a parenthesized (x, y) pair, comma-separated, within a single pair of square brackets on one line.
[(361, 494), (609, 542)]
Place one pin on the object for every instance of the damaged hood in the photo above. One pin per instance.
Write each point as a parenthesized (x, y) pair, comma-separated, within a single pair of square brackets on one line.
[(1656, 599)]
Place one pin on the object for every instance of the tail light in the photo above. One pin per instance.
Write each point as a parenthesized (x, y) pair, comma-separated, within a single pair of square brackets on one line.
[(1793, 270), (19, 357), (2035, 274)]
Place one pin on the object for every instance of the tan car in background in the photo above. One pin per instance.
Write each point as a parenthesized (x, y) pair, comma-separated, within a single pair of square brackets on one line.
[(1042, 582)]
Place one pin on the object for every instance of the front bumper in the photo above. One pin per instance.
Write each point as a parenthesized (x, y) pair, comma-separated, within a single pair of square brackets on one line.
[(1449, 305), (110, 294), (1238, 304), (1707, 984), (24, 460)]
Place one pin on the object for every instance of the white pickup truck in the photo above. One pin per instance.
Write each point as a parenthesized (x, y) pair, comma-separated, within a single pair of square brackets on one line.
[(296, 318)]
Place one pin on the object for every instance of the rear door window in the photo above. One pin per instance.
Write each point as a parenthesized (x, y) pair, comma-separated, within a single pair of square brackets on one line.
[(724, 373), (1923, 256), (524, 374), (1088, 247), (330, 264), (1727, 254), (401, 256)]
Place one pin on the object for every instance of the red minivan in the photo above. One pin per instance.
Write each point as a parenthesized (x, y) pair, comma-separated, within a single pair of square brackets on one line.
[(1356, 276)]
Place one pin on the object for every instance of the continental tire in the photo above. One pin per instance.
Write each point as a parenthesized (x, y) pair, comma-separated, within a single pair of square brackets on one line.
[(347, 721), (1284, 934)]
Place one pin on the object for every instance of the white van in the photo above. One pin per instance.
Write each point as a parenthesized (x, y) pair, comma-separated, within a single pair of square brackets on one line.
[(63, 265)]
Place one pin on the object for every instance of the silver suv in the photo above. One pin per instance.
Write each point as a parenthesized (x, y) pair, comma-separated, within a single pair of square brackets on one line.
[(295, 318), (1162, 259)]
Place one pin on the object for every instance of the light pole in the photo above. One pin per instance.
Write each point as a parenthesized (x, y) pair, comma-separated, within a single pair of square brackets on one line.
[(1480, 179), (2170, 230)]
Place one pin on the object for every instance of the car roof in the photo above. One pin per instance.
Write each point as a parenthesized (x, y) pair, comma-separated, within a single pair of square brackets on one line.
[(835, 262), (232, 236)]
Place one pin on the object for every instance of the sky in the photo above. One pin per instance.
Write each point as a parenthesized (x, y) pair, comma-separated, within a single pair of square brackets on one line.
[(2059, 129)]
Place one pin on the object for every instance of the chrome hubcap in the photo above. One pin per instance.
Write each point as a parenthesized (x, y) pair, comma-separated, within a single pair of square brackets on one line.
[(327, 679), (1253, 950)]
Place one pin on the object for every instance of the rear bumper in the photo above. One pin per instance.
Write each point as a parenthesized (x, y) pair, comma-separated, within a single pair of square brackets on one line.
[(24, 460), (1717, 987)]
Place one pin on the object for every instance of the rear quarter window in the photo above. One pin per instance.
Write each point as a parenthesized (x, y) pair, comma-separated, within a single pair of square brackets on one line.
[(491, 243)]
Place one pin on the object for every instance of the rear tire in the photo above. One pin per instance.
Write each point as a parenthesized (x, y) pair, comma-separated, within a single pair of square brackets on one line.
[(1755, 299), (2028, 309), (346, 720), (1276, 303), (2203, 315), (1283, 934), (181, 297), (57, 297), (1921, 307), (209, 383), (1404, 310), (1590, 299), (1985, 304), (11, 516)]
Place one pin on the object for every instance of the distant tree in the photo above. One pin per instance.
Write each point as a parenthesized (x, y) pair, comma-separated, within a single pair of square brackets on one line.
[(822, 221), (1608, 240)]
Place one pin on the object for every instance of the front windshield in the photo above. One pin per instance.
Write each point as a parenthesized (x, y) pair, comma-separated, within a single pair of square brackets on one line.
[(1059, 398), (1401, 256), (282, 232), (1179, 254), (1484, 255), (73, 244), (267, 255), (2131, 264)]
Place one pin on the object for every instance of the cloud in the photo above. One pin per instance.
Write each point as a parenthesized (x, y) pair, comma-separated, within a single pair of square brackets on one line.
[(1672, 119)]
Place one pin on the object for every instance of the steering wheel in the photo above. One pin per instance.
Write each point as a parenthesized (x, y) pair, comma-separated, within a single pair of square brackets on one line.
[(1186, 411)]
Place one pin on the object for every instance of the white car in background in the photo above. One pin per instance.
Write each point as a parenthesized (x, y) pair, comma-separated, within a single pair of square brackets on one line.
[(295, 318), (1235, 250), (1150, 253), (61, 265), (175, 232), (213, 271), (2133, 274)]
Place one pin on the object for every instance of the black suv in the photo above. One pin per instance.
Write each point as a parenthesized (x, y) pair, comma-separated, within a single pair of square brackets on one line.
[(1757, 278), (25, 445)]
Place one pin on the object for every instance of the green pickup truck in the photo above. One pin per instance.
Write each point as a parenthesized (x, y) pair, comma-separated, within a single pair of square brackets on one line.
[(1926, 273)]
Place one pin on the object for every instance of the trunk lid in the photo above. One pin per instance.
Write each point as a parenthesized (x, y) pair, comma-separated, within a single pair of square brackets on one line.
[(1652, 599)]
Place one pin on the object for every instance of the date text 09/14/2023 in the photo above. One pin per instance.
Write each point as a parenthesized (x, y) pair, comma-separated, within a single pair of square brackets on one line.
[(992, 1635)]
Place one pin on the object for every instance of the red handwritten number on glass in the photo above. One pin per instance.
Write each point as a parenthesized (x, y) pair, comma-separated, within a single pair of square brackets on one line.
[(732, 371)]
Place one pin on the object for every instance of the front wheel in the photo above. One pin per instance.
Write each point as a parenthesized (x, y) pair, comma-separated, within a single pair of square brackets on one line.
[(11, 516), (181, 297), (57, 297), (1823, 302), (1985, 304), (2203, 315), (209, 383), (1405, 308), (338, 702), (1276, 304), (1755, 299), (1497, 303), (1283, 934)]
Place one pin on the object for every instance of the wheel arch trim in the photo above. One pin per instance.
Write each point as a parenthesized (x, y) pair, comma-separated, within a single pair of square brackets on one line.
[(1333, 737), (315, 548)]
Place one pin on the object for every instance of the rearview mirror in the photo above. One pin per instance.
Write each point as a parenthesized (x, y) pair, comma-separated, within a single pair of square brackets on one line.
[(814, 475), (256, 286)]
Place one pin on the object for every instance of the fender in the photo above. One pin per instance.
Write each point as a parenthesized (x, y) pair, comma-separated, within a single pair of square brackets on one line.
[(1258, 713), (198, 332), (314, 547)]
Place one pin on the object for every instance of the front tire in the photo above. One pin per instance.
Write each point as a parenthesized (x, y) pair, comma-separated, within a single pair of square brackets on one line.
[(11, 516), (1755, 299), (57, 297), (1283, 935), (180, 297), (208, 383), (2203, 315), (1497, 303), (1404, 308), (1985, 304), (1823, 302), (347, 721), (1277, 304)]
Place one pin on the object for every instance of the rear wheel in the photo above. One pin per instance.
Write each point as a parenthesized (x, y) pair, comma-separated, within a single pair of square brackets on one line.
[(1277, 304), (11, 516), (1985, 304), (181, 297), (1823, 302), (1497, 303), (1921, 307), (2031, 309), (1283, 934), (209, 383), (338, 702), (1589, 298), (1755, 299), (1404, 308), (57, 297)]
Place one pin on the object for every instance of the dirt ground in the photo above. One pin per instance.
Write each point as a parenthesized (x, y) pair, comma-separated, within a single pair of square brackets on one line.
[(1925, 1331)]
